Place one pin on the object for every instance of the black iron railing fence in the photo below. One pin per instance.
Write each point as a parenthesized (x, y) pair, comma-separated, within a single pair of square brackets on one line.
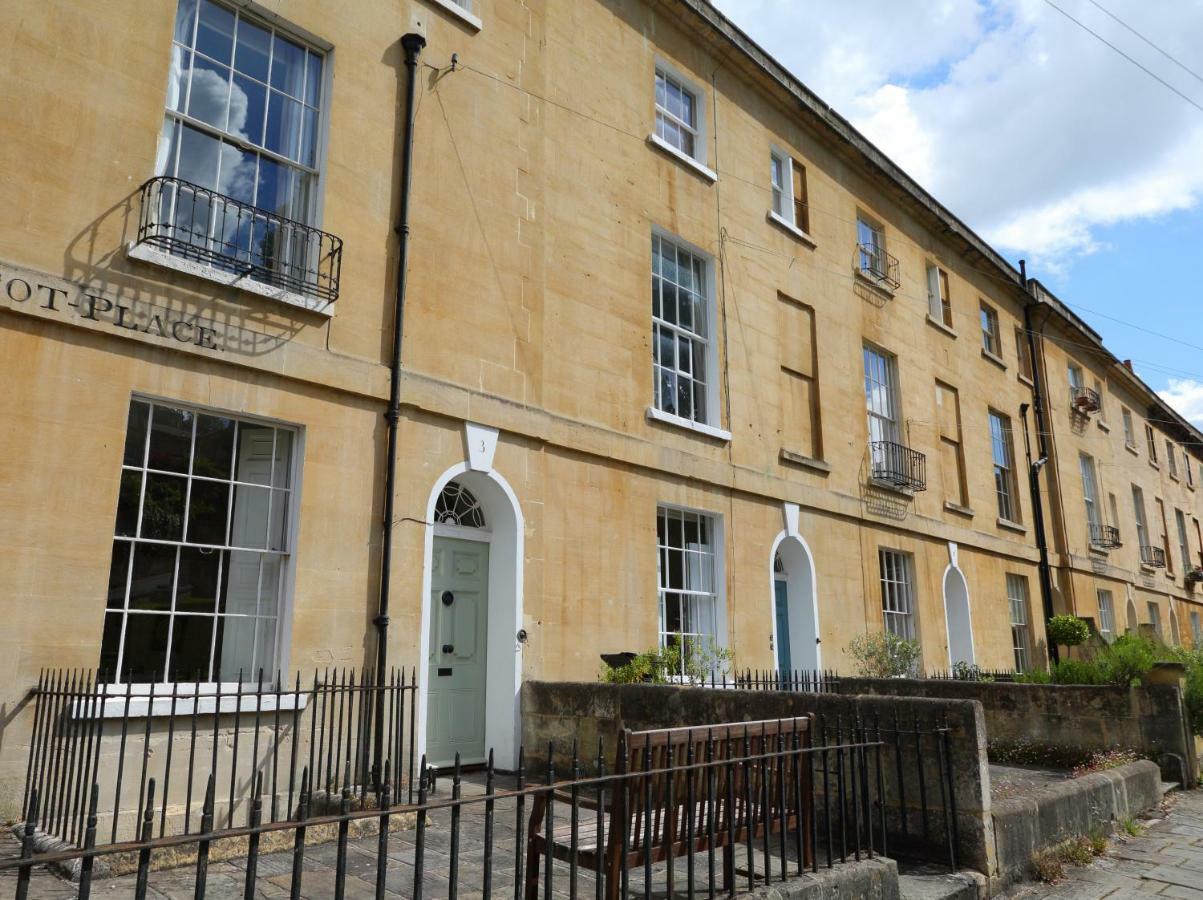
[(877, 263), (201, 225), (1105, 537), (1085, 400), (898, 465), (805, 808), (116, 738), (1152, 556)]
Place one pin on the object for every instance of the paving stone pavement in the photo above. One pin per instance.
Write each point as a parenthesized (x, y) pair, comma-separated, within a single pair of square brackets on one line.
[(227, 879), (1165, 861)]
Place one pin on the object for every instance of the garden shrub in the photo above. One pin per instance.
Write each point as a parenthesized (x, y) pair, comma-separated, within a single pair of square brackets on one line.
[(884, 655), (1067, 631)]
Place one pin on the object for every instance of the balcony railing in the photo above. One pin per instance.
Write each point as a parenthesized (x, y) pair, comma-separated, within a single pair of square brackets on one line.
[(898, 465), (1085, 400), (879, 265), (1153, 557), (197, 224), (1105, 537)]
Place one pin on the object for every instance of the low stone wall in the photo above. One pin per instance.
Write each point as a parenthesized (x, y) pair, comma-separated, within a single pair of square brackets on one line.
[(869, 879), (589, 712), (1149, 719), (1025, 825)]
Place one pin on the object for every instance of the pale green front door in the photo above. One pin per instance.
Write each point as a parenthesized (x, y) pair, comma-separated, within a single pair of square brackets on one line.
[(459, 582)]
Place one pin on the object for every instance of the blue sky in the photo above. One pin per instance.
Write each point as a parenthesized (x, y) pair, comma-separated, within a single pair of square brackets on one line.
[(1045, 140)]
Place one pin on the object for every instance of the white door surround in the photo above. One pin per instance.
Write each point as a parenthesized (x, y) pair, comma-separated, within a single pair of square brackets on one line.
[(958, 618), (506, 554), (801, 590)]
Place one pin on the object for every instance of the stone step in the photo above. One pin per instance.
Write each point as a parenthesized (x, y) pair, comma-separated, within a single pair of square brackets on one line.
[(958, 886)]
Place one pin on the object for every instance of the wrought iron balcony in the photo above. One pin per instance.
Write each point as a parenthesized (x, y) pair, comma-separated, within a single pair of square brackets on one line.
[(879, 265), (1085, 400), (898, 465), (1105, 537), (194, 223), (1153, 557)]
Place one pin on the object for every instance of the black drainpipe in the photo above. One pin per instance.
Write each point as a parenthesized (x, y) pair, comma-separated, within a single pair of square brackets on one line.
[(412, 44), (1046, 578)]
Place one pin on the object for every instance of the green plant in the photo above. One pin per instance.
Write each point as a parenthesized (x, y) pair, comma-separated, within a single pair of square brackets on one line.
[(1131, 827), (1128, 659), (668, 665), (1098, 841), (1076, 671), (884, 655), (1067, 631), (965, 671), (1077, 851), (1035, 676)]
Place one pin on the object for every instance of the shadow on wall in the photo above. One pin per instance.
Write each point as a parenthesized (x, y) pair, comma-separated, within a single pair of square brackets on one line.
[(101, 266)]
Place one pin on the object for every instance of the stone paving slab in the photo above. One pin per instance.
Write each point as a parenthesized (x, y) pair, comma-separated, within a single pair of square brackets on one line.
[(1165, 861)]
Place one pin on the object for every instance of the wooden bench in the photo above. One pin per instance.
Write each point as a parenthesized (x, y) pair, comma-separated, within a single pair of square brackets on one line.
[(746, 798)]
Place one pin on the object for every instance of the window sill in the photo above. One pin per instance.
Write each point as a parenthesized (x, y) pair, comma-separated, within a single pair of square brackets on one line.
[(884, 485), (460, 13), (1099, 551), (114, 705), (867, 279), (806, 462), (1103, 425), (1153, 464), (1173, 477), (793, 229), (657, 415), (1025, 379), (1132, 448), (1010, 526), (659, 142), (940, 326), (154, 257), (994, 358), (951, 507)]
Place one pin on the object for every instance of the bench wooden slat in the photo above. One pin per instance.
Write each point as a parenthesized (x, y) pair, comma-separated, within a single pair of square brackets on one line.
[(747, 794)]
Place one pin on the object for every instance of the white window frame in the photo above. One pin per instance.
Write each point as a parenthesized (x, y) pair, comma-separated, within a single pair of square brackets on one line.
[(937, 301), (897, 581), (1021, 628), (782, 208), (881, 382), (1106, 603), (991, 333), (1196, 628), (1171, 458), (716, 595), (1183, 540), (710, 422), (1090, 493), (1154, 617), (868, 227), (1141, 513), (1129, 429), (463, 10), (285, 606), (698, 130), (1008, 500)]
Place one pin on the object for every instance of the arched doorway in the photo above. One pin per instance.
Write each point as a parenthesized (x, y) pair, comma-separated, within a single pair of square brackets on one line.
[(471, 613), (795, 605), (957, 618)]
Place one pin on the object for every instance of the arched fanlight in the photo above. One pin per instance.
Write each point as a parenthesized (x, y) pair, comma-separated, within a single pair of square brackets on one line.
[(458, 506)]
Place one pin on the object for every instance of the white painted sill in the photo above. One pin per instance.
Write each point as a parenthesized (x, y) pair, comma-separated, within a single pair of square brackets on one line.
[(994, 358), (782, 222), (460, 13), (940, 326), (146, 254), (659, 142), (140, 705), (658, 415), (882, 484), (874, 284)]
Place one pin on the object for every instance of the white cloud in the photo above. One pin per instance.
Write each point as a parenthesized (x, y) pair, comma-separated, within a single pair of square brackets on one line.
[(1022, 123), (1186, 396)]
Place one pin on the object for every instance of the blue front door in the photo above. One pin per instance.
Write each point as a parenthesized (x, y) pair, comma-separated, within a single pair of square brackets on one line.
[(782, 610)]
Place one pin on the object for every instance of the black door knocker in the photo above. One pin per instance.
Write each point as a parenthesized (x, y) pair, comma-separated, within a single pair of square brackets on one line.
[(448, 598)]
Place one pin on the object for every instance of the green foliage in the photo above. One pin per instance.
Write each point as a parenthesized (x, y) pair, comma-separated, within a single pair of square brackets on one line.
[(1131, 827), (1076, 671), (885, 655), (1067, 631), (665, 665), (1128, 659), (963, 671), (1098, 841), (1035, 676), (1192, 660)]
